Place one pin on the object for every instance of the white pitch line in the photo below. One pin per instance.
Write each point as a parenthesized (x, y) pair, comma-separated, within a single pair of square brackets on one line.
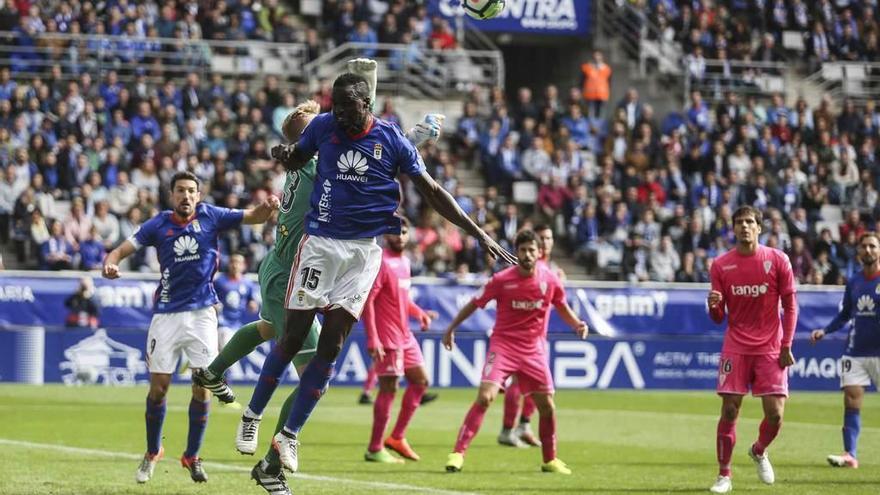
[(228, 467)]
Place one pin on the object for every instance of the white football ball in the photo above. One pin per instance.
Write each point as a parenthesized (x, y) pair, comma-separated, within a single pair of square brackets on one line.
[(483, 9)]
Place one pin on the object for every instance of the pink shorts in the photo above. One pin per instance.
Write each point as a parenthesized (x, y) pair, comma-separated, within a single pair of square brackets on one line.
[(397, 361), (737, 373), (532, 371)]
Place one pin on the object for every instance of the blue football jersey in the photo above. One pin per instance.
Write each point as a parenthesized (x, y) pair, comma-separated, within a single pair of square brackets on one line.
[(234, 295), (188, 255), (356, 191), (861, 303)]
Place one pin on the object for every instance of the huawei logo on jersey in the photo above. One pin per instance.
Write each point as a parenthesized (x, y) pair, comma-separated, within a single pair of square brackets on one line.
[(865, 305), (352, 166), (186, 248)]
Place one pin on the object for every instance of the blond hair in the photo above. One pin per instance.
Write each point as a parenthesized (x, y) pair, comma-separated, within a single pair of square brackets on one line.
[(304, 110)]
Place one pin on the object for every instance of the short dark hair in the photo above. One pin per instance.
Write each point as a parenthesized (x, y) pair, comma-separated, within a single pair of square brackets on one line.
[(542, 227), (875, 235), (524, 236), (352, 79), (185, 175), (748, 210)]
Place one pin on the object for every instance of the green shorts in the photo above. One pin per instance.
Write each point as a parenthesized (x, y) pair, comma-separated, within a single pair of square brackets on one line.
[(273, 278)]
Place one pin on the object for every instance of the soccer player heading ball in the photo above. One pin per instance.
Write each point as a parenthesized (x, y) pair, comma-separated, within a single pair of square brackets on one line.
[(355, 199), (748, 283)]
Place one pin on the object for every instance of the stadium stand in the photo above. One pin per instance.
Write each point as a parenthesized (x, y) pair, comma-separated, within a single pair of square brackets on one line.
[(91, 131)]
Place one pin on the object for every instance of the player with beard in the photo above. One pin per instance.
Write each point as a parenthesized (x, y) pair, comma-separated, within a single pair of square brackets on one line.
[(518, 346), (184, 318), (860, 364)]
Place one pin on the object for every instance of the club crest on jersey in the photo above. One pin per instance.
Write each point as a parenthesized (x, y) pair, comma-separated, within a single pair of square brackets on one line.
[(767, 265), (543, 287), (877, 290), (197, 227), (377, 151)]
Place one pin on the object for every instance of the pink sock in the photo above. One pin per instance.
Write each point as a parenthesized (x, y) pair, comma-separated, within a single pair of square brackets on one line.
[(547, 432), (381, 413), (511, 405), (528, 408), (411, 400), (766, 433), (726, 439), (470, 427), (370, 381)]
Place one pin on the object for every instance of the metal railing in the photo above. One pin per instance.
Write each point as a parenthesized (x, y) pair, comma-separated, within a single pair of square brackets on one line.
[(158, 58), (415, 72), (639, 37), (743, 78), (859, 81)]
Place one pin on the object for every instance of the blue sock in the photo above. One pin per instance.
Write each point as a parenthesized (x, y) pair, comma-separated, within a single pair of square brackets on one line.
[(270, 375), (852, 423), (312, 385), (154, 418), (198, 422)]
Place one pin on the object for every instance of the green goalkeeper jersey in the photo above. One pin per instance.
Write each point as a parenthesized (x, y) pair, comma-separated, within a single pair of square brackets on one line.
[(295, 203)]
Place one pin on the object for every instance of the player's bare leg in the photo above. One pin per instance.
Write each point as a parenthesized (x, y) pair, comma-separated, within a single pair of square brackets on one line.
[(198, 421), (774, 407), (512, 399), (726, 440), (381, 414), (547, 431), (369, 384), (154, 418), (471, 425), (852, 424), (314, 380), (417, 384)]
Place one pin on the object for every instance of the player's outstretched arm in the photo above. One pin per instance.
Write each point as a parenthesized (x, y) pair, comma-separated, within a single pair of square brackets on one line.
[(446, 206), (290, 157), (463, 314), (842, 318), (428, 130), (111, 262), (569, 317), (262, 212)]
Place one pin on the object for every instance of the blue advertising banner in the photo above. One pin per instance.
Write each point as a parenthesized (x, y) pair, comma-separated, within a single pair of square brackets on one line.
[(610, 310), (34, 355), (552, 17)]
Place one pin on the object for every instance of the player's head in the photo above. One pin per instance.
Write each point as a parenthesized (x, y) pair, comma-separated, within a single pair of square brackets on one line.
[(397, 243), (351, 102), (747, 224), (297, 121), (185, 193), (527, 249), (545, 240), (869, 248), (237, 265)]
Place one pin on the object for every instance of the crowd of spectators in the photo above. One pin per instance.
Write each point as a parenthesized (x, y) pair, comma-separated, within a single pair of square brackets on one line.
[(639, 198), (631, 195), (752, 30)]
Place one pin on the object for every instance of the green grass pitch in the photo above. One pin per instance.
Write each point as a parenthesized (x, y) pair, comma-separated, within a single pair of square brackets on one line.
[(87, 440)]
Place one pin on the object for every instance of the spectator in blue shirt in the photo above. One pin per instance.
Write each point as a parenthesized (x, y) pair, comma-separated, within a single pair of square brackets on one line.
[(578, 125), (91, 251), (144, 123), (363, 33), (56, 253)]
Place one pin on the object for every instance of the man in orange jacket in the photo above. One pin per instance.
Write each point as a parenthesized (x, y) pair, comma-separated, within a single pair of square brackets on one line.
[(596, 84)]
